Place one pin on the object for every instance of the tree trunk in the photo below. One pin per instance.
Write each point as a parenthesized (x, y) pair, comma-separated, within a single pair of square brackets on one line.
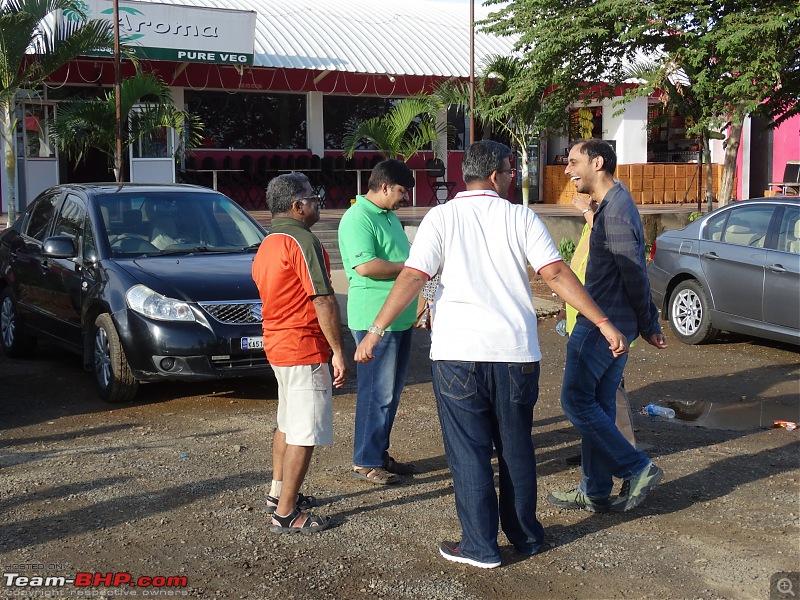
[(729, 166), (9, 137), (709, 170), (525, 179)]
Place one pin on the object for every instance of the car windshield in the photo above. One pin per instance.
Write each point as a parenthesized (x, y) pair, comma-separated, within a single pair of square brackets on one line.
[(167, 222)]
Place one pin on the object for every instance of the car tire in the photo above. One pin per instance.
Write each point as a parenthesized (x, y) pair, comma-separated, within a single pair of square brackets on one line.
[(14, 341), (689, 313), (112, 374)]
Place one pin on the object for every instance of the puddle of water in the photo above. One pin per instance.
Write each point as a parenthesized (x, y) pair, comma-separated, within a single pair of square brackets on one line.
[(738, 416)]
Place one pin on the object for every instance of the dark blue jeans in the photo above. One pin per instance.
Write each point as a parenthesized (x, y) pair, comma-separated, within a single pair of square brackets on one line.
[(588, 397), (380, 383), (480, 404)]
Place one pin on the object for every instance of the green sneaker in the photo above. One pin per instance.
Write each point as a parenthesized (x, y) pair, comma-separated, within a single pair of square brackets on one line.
[(577, 500), (635, 490)]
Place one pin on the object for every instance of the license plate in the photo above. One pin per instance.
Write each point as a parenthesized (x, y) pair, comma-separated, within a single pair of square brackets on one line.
[(253, 343)]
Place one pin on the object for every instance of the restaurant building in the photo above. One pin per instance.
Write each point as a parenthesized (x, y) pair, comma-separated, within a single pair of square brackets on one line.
[(278, 85)]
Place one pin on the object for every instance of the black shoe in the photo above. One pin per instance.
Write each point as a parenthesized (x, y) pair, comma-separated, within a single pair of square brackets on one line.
[(303, 503)]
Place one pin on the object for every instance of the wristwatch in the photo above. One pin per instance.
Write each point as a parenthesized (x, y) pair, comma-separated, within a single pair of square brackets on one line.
[(376, 329), (585, 210)]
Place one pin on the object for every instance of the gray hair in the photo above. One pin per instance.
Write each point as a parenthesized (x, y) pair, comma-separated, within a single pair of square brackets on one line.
[(285, 189), (482, 159)]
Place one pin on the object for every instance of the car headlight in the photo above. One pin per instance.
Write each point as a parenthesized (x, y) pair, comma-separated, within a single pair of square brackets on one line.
[(152, 304)]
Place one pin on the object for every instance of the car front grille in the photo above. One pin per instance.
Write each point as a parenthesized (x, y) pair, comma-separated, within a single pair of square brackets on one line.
[(256, 359), (236, 313)]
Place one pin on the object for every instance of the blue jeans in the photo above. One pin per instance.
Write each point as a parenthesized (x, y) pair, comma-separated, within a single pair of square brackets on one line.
[(588, 397), (380, 383), (480, 404)]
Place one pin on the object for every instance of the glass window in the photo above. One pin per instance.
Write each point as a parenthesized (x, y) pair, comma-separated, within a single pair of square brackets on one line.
[(715, 226), (341, 114), (747, 226), (70, 221), (153, 144), (89, 244), (249, 120), (789, 231), (458, 126), (37, 131), (41, 216)]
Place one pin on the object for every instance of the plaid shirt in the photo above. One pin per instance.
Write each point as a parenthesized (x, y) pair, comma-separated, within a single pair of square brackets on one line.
[(616, 276)]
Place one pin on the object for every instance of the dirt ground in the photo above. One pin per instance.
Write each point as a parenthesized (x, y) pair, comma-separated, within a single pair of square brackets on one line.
[(173, 484)]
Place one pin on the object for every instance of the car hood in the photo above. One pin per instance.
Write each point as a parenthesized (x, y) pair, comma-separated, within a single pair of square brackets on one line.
[(197, 277)]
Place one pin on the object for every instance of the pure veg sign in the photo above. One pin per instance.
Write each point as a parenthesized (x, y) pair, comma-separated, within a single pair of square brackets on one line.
[(179, 32)]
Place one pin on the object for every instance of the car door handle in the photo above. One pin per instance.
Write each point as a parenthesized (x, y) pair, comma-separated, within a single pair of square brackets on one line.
[(776, 268), (710, 255)]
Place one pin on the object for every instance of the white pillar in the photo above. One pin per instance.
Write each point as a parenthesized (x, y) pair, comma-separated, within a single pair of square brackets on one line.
[(628, 129), (4, 187), (315, 129)]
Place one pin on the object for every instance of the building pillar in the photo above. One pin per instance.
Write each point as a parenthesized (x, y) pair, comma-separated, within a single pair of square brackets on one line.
[(315, 129), (628, 129)]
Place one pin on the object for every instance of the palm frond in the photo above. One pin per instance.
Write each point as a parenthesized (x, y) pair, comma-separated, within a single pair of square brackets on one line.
[(146, 105)]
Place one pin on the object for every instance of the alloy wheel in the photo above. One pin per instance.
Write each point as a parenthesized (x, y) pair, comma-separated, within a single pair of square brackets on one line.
[(102, 357), (688, 312), (7, 322)]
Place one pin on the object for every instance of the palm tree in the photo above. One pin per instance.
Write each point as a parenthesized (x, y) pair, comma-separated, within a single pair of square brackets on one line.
[(146, 105), (501, 100), (408, 128), (30, 50)]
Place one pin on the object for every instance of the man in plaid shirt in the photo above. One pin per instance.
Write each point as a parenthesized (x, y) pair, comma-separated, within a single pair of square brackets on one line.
[(616, 279)]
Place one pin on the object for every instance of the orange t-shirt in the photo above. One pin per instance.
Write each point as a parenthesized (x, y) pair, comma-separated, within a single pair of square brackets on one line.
[(290, 268)]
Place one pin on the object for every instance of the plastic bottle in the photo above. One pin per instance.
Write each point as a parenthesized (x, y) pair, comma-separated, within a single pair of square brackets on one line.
[(561, 327), (659, 411)]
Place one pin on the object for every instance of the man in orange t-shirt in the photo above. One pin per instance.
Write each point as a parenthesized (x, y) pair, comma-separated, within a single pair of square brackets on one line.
[(302, 332)]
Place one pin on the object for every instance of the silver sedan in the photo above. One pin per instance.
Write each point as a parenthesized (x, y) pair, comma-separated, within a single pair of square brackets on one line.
[(735, 269)]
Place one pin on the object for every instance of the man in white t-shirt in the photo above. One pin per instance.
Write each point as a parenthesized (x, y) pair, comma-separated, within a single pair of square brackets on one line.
[(484, 347)]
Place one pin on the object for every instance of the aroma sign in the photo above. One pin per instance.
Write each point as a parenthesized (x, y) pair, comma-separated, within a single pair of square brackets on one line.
[(182, 33)]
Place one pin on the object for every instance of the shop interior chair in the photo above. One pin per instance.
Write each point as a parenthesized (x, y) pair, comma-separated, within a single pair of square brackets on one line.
[(791, 178), (441, 190)]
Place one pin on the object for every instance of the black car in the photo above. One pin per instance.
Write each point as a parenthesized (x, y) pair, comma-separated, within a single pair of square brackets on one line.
[(146, 282)]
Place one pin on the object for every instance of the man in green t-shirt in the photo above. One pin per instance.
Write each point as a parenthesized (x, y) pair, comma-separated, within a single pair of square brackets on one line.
[(374, 249)]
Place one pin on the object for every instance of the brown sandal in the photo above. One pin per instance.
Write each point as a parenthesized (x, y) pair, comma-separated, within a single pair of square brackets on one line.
[(375, 475)]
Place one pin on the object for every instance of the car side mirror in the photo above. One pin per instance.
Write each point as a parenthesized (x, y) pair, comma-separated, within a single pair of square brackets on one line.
[(59, 246)]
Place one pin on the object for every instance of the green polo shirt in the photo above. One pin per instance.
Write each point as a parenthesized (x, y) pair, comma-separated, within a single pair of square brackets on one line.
[(367, 232)]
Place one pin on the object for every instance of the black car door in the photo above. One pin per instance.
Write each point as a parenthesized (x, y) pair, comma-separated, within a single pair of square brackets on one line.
[(63, 283), (26, 262)]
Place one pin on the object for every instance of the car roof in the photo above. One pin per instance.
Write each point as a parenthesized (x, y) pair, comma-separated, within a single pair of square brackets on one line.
[(788, 199), (116, 188)]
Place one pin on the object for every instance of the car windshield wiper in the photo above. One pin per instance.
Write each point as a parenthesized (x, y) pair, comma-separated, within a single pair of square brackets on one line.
[(251, 247), (195, 250)]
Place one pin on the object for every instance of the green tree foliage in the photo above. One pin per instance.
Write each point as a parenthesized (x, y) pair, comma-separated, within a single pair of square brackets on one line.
[(31, 48), (409, 127), (146, 105), (739, 57), (504, 99)]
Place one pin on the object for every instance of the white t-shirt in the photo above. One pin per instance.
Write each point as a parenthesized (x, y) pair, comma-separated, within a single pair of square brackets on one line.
[(481, 245)]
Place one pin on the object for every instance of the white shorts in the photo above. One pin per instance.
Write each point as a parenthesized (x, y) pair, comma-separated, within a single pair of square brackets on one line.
[(305, 404)]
